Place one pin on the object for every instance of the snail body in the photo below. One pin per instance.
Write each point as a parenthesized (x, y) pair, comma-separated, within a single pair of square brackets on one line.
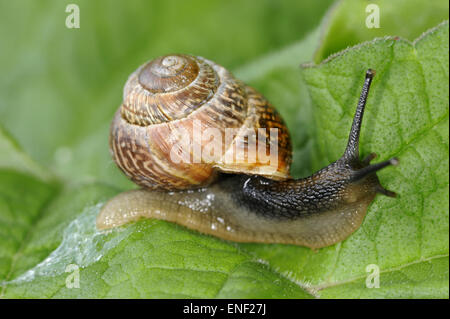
[(253, 201)]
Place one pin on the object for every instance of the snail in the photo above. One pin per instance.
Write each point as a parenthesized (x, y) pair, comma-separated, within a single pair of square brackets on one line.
[(244, 200)]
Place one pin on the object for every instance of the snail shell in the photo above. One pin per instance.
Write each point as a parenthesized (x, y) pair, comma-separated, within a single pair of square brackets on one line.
[(169, 99)]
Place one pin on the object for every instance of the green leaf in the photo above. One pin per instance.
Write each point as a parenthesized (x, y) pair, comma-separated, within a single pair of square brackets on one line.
[(345, 23), (427, 278)]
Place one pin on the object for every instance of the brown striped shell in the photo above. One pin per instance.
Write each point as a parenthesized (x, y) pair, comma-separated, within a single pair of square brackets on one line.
[(178, 100)]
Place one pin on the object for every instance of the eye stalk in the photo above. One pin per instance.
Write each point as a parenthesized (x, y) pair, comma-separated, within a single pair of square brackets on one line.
[(352, 150), (351, 154)]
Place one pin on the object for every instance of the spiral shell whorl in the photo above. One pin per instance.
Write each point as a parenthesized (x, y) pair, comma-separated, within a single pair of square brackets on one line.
[(168, 73), (168, 88)]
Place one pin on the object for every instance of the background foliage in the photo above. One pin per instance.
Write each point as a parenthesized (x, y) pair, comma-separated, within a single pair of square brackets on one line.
[(60, 87)]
